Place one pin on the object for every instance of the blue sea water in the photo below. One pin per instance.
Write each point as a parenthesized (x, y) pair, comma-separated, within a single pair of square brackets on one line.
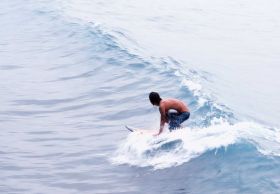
[(73, 73)]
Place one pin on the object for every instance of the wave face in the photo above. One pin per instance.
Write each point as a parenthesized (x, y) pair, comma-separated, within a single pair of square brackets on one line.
[(71, 78), (236, 43)]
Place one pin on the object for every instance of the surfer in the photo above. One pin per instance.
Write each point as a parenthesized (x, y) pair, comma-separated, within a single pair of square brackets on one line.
[(172, 111)]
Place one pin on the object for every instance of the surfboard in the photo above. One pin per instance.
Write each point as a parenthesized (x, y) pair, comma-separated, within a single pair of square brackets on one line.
[(134, 129), (131, 129)]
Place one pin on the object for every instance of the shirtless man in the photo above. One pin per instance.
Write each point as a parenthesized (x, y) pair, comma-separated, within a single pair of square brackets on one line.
[(179, 114)]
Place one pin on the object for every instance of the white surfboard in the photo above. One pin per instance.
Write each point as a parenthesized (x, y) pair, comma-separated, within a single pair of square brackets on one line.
[(131, 129), (134, 129)]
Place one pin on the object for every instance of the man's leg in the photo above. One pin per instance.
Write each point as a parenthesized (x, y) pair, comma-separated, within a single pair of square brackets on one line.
[(176, 119), (183, 117), (173, 121)]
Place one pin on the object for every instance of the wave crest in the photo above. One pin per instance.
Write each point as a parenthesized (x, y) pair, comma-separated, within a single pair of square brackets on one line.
[(180, 146)]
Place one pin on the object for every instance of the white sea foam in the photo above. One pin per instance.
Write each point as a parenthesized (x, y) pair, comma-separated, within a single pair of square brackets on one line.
[(180, 146)]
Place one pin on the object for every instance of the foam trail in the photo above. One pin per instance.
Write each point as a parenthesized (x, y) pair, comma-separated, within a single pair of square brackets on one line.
[(180, 146)]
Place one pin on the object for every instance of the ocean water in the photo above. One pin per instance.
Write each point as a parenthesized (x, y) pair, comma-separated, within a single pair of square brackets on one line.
[(74, 73)]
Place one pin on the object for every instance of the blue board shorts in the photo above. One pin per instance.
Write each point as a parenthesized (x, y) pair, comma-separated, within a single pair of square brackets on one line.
[(175, 119)]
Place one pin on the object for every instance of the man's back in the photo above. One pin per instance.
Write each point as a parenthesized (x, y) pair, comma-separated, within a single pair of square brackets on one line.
[(171, 103)]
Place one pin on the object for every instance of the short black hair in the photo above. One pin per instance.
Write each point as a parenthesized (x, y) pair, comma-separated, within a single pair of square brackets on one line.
[(154, 98)]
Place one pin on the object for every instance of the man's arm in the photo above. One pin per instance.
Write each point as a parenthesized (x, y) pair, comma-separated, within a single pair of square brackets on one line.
[(163, 119)]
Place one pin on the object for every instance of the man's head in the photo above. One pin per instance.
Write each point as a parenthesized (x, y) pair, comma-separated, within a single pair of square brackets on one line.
[(154, 98)]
